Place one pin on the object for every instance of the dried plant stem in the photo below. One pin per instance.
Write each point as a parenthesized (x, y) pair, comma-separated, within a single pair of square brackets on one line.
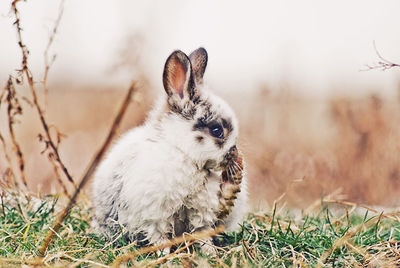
[(12, 182), (352, 204), (3, 142), (29, 76), (383, 64), (11, 110), (58, 176), (89, 171), (14, 262), (114, 127), (185, 238), (163, 259), (50, 62), (248, 250)]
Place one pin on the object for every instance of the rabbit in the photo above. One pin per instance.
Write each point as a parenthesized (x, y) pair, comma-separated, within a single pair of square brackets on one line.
[(163, 178)]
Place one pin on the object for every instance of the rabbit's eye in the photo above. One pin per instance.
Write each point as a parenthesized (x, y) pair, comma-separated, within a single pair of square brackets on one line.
[(216, 131)]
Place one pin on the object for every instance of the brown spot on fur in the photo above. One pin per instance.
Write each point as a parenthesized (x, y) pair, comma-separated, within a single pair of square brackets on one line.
[(199, 139), (200, 124), (226, 123)]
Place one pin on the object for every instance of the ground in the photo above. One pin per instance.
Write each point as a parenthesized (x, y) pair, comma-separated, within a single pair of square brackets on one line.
[(328, 234)]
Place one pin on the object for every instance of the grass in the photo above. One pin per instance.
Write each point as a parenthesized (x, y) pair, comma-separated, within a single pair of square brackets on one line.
[(349, 143), (333, 235)]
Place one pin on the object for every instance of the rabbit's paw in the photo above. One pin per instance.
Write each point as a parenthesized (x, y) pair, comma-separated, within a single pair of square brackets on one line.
[(231, 178), (164, 251), (207, 247)]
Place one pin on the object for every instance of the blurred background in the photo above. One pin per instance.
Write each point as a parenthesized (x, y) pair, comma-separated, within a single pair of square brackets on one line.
[(314, 119)]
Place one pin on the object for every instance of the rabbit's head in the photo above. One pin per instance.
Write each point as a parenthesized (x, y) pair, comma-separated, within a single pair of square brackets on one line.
[(198, 123)]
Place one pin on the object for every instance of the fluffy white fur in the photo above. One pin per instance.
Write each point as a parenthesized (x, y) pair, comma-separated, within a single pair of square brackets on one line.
[(155, 170)]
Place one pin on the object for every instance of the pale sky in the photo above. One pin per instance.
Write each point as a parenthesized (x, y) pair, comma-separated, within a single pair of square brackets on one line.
[(315, 46)]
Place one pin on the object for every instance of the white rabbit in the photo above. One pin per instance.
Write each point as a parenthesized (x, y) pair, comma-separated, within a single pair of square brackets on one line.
[(162, 179)]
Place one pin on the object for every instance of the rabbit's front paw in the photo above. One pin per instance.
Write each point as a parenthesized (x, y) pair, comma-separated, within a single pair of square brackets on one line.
[(163, 251), (207, 247), (231, 178)]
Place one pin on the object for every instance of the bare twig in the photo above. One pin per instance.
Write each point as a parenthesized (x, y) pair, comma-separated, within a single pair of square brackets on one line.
[(89, 171), (14, 108), (14, 261), (9, 173), (49, 62), (163, 259), (251, 255), (80, 261), (58, 176), (49, 140), (383, 64), (185, 238), (114, 127)]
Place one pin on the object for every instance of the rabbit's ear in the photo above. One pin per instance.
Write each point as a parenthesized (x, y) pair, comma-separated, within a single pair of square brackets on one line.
[(177, 77), (199, 58)]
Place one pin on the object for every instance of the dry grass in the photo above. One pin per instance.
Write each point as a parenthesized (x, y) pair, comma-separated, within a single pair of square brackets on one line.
[(342, 142), (331, 233), (297, 150)]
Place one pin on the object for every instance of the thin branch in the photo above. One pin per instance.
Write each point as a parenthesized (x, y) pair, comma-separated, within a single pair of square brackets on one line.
[(29, 76), (163, 259), (9, 170), (185, 238), (48, 63), (251, 255), (58, 176), (9, 173), (89, 171), (14, 108), (383, 64)]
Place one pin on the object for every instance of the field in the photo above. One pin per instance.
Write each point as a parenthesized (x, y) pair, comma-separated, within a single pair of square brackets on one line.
[(293, 144), (324, 176), (324, 235), (308, 184)]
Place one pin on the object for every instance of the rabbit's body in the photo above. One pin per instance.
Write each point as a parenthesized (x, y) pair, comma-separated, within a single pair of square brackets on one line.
[(163, 178)]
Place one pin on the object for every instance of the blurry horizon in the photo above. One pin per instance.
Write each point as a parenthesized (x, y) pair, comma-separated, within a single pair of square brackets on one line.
[(315, 47)]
